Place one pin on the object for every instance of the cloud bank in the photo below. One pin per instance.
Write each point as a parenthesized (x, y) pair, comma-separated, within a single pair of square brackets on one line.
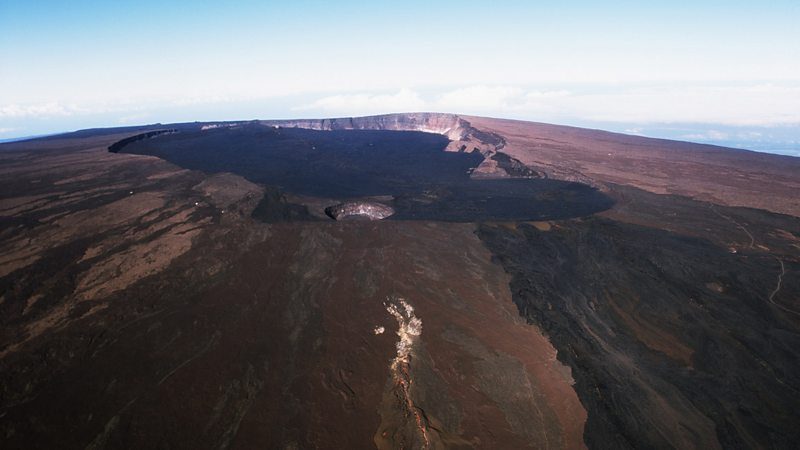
[(759, 104), (741, 105), (748, 115)]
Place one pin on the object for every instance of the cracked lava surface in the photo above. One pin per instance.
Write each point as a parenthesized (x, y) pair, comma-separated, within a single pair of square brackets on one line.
[(409, 330)]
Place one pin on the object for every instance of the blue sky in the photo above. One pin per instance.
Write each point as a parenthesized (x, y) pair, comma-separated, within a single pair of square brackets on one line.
[(710, 68)]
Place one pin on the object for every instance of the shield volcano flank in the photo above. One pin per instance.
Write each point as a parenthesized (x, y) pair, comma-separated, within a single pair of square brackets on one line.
[(190, 288)]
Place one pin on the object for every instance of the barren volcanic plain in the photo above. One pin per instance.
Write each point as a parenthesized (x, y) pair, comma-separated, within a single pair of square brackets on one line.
[(489, 284)]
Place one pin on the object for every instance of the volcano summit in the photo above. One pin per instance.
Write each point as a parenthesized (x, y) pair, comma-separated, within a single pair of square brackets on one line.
[(527, 285)]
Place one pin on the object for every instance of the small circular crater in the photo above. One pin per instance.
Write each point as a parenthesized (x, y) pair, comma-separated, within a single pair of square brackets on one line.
[(359, 210)]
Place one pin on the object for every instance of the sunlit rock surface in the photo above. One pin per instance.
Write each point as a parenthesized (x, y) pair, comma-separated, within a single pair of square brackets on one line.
[(354, 210)]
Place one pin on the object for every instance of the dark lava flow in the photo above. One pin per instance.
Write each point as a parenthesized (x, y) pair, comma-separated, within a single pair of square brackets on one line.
[(672, 339), (425, 182)]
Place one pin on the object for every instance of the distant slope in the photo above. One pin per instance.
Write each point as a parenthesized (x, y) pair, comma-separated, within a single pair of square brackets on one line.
[(729, 176)]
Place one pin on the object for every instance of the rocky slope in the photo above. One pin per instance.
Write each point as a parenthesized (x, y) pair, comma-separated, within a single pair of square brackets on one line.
[(721, 175), (691, 337), (144, 306)]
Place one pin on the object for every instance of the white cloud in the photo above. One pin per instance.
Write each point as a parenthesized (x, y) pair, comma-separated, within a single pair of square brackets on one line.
[(404, 100), (710, 135), (38, 110), (475, 98), (750, 135), (472, 99), (730, 105), (534, 95), (133, 118), (756, 104), (753, 104), (133, 107), (7, 130)]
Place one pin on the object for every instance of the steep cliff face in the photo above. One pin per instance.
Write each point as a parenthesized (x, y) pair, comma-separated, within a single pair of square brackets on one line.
[(449, 125), (119, 145), (462, 135)]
